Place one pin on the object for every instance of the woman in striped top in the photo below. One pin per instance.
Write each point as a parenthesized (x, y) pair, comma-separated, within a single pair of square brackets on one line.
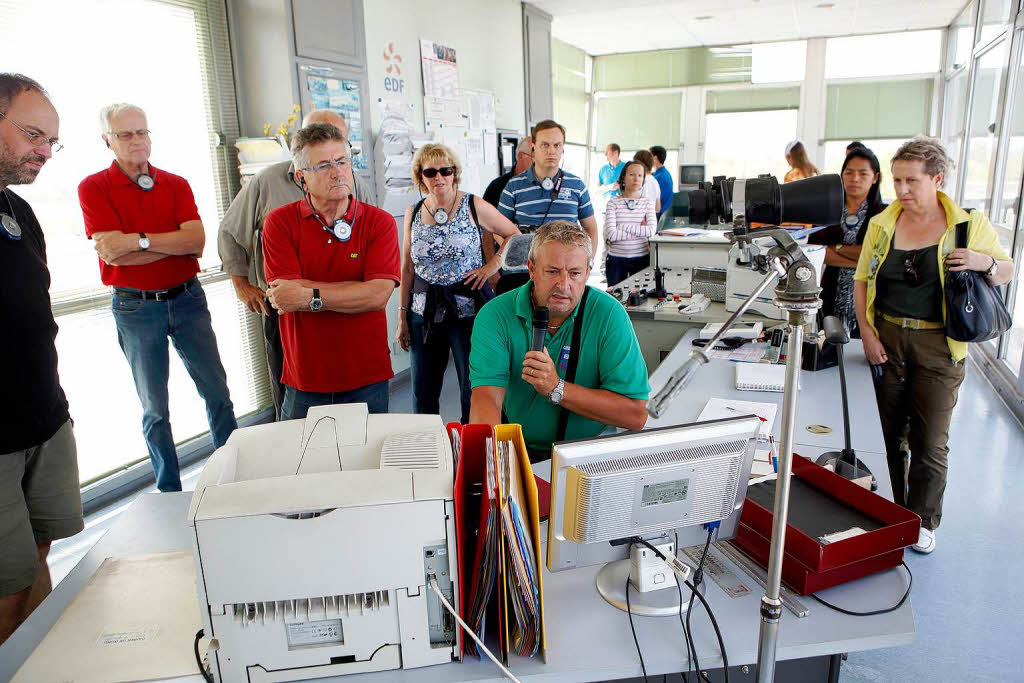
[(629, 221)]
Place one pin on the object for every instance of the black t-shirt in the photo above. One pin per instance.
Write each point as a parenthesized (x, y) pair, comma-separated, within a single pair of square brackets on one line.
[(32, 403), (492, 195)]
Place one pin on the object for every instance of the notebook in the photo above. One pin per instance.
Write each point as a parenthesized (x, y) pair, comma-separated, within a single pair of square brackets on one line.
[(718, 408), (761, 377)]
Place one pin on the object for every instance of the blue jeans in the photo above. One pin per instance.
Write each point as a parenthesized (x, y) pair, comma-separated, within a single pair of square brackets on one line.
[(142, 331), (430, 360), (618, 268), (297, 402)]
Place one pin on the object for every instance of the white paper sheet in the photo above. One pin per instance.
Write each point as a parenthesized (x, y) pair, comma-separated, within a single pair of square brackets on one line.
[(135, 620)]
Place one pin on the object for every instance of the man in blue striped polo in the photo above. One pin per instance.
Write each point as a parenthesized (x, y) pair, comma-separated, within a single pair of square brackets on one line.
[(544, 192)]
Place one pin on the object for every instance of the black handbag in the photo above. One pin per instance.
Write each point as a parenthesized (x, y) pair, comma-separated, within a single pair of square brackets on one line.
[(975, 311)]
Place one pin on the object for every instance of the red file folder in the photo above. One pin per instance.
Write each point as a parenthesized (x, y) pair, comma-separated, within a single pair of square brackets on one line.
[(471, 518)]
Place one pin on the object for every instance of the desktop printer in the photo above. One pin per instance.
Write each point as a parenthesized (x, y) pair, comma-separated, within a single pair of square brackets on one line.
[(315, 544)]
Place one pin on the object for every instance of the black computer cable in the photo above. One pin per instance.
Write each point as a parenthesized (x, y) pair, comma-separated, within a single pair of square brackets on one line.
[(872, 613), (698, 579), (199, 661), (707, 607), (636, 641)]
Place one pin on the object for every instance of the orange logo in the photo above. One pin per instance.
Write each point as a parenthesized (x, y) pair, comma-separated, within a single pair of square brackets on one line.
[(393, 59)]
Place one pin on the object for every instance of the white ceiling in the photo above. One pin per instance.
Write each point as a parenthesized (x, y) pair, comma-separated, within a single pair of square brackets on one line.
[(602, 27)]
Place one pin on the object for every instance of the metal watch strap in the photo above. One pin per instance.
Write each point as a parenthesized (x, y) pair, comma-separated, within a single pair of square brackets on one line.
[(560, 390)]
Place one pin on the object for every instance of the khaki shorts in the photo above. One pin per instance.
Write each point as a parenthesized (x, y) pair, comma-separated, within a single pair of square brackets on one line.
[(40, 501)]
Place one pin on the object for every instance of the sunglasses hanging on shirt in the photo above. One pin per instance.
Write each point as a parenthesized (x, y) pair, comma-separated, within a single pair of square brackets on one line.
[(8, 225)]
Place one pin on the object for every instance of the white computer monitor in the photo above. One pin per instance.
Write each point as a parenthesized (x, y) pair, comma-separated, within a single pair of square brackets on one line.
[(669, 480)]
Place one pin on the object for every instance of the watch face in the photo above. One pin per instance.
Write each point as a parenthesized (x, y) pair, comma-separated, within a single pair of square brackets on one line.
[(316, 304), (144, 243)]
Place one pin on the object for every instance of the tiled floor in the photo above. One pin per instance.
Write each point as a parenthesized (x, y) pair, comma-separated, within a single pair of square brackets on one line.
[(967, 596)]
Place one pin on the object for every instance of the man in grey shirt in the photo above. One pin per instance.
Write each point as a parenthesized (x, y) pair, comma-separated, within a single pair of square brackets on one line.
[(240, 244)]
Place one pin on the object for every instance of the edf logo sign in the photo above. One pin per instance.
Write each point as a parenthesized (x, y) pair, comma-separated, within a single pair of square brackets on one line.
[(393, 81)]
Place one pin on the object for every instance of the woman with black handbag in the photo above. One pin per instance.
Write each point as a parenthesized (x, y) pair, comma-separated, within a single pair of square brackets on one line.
[(906, 262)]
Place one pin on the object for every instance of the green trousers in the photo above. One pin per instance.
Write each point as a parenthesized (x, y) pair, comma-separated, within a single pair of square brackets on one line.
[(916, 397)]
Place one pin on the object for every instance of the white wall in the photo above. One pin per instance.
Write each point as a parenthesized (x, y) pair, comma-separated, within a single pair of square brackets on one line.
[(262, 62), (487, 36)]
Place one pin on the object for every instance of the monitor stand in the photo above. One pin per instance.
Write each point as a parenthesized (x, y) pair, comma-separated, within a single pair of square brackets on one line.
[(663, 602)]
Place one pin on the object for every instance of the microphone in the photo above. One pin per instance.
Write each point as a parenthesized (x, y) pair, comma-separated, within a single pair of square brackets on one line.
[(676, 383), (540, 327)]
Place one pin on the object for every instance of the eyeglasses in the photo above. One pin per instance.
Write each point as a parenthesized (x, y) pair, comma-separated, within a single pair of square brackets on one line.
[(129, 135), (325, 166), (37, 139), (910, 274), (445, 171)]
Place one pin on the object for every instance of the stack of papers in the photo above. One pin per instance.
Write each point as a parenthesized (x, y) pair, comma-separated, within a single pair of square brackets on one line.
[(721, 408), (521, 582)]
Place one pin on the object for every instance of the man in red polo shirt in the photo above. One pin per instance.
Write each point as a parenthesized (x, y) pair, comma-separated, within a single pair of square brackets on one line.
[(331, 263), (148, 235)]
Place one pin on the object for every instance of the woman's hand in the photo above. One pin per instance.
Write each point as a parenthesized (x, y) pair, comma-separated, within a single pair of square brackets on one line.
[(967, 259), (477, 278), (402, 335), (873, 348)]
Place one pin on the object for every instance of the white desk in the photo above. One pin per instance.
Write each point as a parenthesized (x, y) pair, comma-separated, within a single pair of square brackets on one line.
[(819, 402), (588, 639)]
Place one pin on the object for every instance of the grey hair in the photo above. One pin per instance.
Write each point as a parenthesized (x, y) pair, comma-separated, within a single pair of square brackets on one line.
[(525, 146), (12, 85), (563, 232), (114, 110), (321, 112), (929, 151), (311, 135)]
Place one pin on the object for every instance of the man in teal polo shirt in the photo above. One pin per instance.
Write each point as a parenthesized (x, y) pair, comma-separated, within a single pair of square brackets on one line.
[(610, 385)]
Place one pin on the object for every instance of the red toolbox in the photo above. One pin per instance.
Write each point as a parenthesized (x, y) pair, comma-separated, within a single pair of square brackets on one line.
[(821, 503)]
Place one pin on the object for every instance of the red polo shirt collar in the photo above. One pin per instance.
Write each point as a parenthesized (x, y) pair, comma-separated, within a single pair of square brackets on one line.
[(118, 176), (306, 208)]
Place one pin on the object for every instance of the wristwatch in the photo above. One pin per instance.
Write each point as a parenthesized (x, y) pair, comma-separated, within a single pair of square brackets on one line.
[(143, 241), (316, 303), (556, 394), (991, 272)]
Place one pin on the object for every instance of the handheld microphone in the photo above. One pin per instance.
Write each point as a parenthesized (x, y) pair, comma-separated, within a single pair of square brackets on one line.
[(540, 327)]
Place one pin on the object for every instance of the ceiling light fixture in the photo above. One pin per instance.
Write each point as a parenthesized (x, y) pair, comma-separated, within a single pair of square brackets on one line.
[(825, 5), (703, 17)]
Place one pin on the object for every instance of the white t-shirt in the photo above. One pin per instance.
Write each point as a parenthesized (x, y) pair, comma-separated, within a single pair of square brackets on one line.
[(651, 189)]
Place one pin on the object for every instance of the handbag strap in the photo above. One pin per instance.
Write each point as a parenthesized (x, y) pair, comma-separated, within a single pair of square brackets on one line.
[(574, 359)]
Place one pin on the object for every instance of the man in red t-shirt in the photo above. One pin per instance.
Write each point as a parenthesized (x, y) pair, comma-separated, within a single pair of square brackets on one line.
[(148, 236), (331, 263)]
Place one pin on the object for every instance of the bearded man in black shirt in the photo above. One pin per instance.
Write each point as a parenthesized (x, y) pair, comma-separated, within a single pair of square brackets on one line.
[(40, 498)]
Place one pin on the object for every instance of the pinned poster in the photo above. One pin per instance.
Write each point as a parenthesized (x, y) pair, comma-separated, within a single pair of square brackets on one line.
[(340, 95), (440, 70)]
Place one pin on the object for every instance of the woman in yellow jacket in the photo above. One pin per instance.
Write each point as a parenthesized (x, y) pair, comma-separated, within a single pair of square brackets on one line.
[(898, 294)]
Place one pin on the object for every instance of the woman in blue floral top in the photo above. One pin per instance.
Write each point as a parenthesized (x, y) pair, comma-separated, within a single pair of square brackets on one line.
[(444, 275), (862, 182)]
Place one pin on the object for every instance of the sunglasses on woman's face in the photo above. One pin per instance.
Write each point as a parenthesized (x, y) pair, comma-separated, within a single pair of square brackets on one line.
[(910, 274), (444, 170)]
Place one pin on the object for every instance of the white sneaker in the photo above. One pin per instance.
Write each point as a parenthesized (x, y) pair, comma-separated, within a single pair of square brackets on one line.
[(925, 541)]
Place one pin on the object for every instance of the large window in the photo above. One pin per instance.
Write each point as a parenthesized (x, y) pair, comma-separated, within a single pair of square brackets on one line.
[(989, 81), (886, 54), (181, 85), (747, 144)]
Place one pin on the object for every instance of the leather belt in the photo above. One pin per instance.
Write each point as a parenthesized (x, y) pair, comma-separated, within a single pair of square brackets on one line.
[(154, 294), (913, 323)]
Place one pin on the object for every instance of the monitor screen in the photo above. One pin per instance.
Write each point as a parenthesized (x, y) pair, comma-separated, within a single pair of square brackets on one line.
[(691, 174)]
